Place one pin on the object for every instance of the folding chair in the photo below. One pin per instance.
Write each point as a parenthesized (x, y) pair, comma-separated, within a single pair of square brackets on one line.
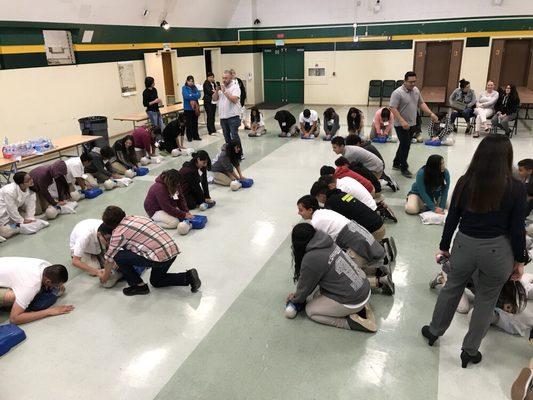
[(388, 87), (374, 90)]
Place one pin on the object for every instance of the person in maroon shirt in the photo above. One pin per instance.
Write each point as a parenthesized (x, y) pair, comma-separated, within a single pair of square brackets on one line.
[(43, 176), (165, 203)]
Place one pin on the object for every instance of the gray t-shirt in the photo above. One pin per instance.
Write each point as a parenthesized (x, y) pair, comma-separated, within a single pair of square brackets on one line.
[(222, 163), (407, 103), (369, 160)]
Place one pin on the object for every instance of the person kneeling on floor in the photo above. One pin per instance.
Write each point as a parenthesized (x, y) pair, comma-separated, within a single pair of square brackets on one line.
[(139, 242), (309, 123), (287, 124), (227, 164), (165, 203), (348, 206), (97, 164), (30, 287), (43, 176), (343, 295), (17, 208), (194, 180), (430, 189), (86, 250), (257, 123), (352, 237)]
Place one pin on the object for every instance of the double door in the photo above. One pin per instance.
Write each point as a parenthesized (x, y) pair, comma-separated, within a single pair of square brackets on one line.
[(283, 75)]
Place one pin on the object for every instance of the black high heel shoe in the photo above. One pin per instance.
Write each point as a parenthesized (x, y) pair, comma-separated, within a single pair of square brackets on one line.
[(467, 358), (428, 335)]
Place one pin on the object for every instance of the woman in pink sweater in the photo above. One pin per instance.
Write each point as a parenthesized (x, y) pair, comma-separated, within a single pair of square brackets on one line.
[(382, 125)]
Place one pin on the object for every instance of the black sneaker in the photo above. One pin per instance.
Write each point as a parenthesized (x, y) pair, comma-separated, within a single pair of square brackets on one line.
[(387, 213), (387, 285), (136, 290), (393, 185), (428, 335), (193, 279), (468, 129), (407, 173)]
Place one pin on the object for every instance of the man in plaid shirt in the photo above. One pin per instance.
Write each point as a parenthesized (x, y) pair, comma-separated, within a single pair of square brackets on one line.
[(138, 241)]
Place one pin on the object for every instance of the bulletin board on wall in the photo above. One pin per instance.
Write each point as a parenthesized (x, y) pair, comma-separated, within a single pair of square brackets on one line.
[(126, 73), (316, 72)]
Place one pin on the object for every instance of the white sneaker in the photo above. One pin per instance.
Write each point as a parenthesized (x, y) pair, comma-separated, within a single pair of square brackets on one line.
[(113, 279), (2, 239), (464, 305)]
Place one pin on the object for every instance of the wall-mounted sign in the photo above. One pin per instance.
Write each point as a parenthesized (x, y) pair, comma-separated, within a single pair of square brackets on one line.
[(279, 42)]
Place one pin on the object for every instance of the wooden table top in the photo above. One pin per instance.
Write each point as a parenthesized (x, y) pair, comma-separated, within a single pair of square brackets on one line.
[(525, 94), (142, 116), (434, 94), (61, 143)]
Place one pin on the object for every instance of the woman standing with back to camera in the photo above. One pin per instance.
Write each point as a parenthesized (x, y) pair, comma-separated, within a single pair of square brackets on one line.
[(488, 204)]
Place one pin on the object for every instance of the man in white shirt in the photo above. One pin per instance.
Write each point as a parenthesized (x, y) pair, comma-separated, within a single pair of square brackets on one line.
[(352, 237), (352, 187), (86, 251), (229, 107), (30, 286), (309, 123), (17, 208)]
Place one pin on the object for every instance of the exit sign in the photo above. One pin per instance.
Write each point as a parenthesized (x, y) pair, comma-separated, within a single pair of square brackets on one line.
[(280, 35)]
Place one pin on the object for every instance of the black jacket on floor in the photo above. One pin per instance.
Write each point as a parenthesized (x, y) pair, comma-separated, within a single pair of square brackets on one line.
[(347, 205)]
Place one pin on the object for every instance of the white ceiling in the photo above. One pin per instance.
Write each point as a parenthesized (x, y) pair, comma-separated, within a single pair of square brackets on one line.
[(183, 13)]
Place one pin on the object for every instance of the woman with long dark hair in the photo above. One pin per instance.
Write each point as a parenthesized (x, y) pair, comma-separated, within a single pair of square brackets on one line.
[(488, 205), (344, 292), (194, 180), (430, 189), (331, 123), (126, 157), (191, 108), (507, 108), (356, 121), (257, 123), (165, 203), (226, 167)]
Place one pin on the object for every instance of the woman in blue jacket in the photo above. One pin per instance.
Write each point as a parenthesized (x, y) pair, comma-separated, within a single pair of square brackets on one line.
[(191, 108), (430, 190)]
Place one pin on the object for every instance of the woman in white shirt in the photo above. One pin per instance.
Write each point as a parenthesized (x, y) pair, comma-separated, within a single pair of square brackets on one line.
[(17, 208), (485, 108), (257, 123)]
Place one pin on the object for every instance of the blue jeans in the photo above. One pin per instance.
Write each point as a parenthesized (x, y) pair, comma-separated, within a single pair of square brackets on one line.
[(128, 262), (230, 127), (467, 114), (156, 119)]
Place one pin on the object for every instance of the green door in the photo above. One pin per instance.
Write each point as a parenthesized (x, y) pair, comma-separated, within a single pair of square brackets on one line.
[(273, 75), (283, 74), (294, 75)]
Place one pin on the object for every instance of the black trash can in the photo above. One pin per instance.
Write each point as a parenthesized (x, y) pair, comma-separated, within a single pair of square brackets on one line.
[(95, 126)]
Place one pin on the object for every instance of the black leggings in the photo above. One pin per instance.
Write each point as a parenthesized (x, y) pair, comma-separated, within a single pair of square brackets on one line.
[(191, 124)]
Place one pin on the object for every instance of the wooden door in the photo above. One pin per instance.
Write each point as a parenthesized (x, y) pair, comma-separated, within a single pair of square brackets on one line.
[(154, 67), (495, 63), (455, 67), (437, 64), (420, 62), (168, 75), (515, 62)]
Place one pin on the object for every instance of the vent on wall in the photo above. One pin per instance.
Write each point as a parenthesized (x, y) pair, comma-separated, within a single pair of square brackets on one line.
[(58, 46)]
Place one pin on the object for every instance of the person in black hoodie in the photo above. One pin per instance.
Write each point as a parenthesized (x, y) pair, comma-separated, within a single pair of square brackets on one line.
[(152, 101), (344, 292), (287, 123), (173, 135), (347, 205), (209, 107), (507, 109), (194, 180), (356, 121)]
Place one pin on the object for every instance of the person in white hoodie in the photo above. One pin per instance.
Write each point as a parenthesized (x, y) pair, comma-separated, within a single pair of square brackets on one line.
[(17, 208), (360, 245), (257, 123), (485, 108)]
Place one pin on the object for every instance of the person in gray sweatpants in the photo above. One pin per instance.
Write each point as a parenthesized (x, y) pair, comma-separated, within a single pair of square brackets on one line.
[(489, 248), (493, 260)]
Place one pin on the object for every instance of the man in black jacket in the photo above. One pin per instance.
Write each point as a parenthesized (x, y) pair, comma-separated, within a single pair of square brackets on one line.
[(210, 108), (347, 205)]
